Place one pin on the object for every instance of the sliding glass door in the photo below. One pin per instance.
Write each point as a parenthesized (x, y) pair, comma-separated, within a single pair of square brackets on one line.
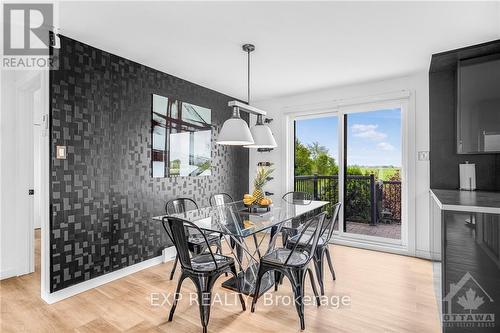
[(356, 155), (372, 173)]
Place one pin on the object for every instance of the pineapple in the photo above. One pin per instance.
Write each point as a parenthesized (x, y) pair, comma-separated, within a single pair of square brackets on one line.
[(261, 179)]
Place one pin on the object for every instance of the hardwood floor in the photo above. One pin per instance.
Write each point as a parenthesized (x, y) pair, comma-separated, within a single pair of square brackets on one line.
[(388, 293)]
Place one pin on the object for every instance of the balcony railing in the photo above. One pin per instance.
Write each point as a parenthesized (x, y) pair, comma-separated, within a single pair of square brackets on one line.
[(367, 199)]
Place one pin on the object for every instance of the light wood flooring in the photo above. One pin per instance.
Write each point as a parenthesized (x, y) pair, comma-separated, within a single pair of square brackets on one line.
[(389, 293)]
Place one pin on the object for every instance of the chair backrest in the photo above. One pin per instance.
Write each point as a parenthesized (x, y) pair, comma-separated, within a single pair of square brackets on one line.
[(177, 231), (180, 205), (220, 199), (312, 229), (329, 226), (298, 198)]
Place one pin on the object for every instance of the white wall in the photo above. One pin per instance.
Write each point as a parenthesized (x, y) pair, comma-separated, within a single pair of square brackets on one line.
[(417, 84)]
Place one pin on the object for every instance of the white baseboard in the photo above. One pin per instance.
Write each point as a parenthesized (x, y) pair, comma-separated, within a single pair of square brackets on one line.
[(390, 248), (57, 296), (10, 272), (168, 253)]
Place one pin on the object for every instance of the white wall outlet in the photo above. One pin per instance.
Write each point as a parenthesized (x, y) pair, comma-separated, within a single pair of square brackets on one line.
[(423, 155)]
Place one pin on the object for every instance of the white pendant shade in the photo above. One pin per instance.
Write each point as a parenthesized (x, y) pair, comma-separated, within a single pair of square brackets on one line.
[(262, 136), (235, 132)]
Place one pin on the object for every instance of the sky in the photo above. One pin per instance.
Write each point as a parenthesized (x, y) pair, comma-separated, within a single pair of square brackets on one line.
[(373, 138)]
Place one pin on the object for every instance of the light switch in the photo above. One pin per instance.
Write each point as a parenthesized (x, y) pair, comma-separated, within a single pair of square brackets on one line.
[(423, 155), (61, 152)]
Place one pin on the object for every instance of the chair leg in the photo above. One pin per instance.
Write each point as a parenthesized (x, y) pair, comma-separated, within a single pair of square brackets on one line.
[(318, 303), (298, 292), (318, 267), (219, 249), (329, 259), (284, 237), (175, 266), (204, 288), (257, 287), (277, 280), (176, 297), (238, 285)]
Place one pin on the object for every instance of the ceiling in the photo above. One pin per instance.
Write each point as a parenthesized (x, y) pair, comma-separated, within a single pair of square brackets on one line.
[(299, 46)]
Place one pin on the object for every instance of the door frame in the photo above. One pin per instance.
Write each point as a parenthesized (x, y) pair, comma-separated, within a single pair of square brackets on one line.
[(30, 82), (403, 99)]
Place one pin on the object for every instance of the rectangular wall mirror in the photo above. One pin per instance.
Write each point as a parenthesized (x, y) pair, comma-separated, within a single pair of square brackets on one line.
[(181, 136)]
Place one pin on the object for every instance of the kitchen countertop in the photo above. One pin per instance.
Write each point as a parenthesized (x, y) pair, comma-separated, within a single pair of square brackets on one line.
[(467, 201)]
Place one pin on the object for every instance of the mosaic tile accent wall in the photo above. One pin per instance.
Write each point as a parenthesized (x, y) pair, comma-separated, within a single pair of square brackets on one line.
[(103, 195)]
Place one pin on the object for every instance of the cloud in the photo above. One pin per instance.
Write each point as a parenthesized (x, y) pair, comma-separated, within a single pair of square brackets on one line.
[(385, 146), (367, 132)]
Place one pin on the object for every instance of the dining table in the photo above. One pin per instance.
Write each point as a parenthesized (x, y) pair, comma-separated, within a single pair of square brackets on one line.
[(253, 233)]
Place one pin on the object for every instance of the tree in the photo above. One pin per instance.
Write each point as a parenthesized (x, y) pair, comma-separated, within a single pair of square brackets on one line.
[(314, 159), (324, 164), (316, 150), (303, 161)]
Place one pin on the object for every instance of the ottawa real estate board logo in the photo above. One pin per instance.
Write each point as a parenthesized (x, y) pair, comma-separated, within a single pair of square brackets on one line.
[(28, 36), (468, 305)]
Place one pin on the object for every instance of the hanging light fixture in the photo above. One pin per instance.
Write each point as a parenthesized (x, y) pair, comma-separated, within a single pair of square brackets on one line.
[(235, 130), (263, 137)]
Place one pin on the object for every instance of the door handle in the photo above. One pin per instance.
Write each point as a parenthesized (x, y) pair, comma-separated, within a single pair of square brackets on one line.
[(31, 192)]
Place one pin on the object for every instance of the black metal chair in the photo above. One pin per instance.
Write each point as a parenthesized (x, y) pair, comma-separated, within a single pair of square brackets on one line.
[(293, 263), (195, 240), (296, 198), (220, 199), (322, 249), (203, 268)]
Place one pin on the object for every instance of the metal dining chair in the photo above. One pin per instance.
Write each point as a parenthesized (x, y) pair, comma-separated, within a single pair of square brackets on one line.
[(195, 240), (296, 198), (220, 199), (294, 264), (322, 249), (202, 268)]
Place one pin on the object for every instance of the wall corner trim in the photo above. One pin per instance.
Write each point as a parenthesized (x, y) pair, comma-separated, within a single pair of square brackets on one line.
[(57, 296), (423, 254)]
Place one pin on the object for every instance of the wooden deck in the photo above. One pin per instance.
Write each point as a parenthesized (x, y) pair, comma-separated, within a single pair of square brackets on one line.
[(392, 231)]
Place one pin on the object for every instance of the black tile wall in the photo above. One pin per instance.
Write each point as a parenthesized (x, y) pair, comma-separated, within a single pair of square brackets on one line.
[(103, 195)]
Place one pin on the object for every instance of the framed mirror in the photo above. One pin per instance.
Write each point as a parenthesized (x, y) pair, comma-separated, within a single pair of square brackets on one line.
[(181, 138)]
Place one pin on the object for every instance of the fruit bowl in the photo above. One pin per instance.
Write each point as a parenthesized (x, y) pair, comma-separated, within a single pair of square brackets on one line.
[(255, 204), (255, 208)]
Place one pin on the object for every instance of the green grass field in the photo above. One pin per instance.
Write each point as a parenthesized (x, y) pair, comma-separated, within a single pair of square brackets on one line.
[(383, 173)]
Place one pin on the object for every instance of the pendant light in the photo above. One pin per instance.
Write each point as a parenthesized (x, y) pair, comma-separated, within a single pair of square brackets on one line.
[(235, 130)]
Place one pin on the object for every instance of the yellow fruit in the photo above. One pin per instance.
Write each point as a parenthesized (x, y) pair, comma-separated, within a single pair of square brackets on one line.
[(248, 201), (248, 196), (264, 202), (258, 195)]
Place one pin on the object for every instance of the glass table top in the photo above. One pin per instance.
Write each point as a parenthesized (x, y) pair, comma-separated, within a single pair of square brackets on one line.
[(234, 219)]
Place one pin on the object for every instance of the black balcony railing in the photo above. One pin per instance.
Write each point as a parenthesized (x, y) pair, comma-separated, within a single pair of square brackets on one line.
[(366, 199)]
